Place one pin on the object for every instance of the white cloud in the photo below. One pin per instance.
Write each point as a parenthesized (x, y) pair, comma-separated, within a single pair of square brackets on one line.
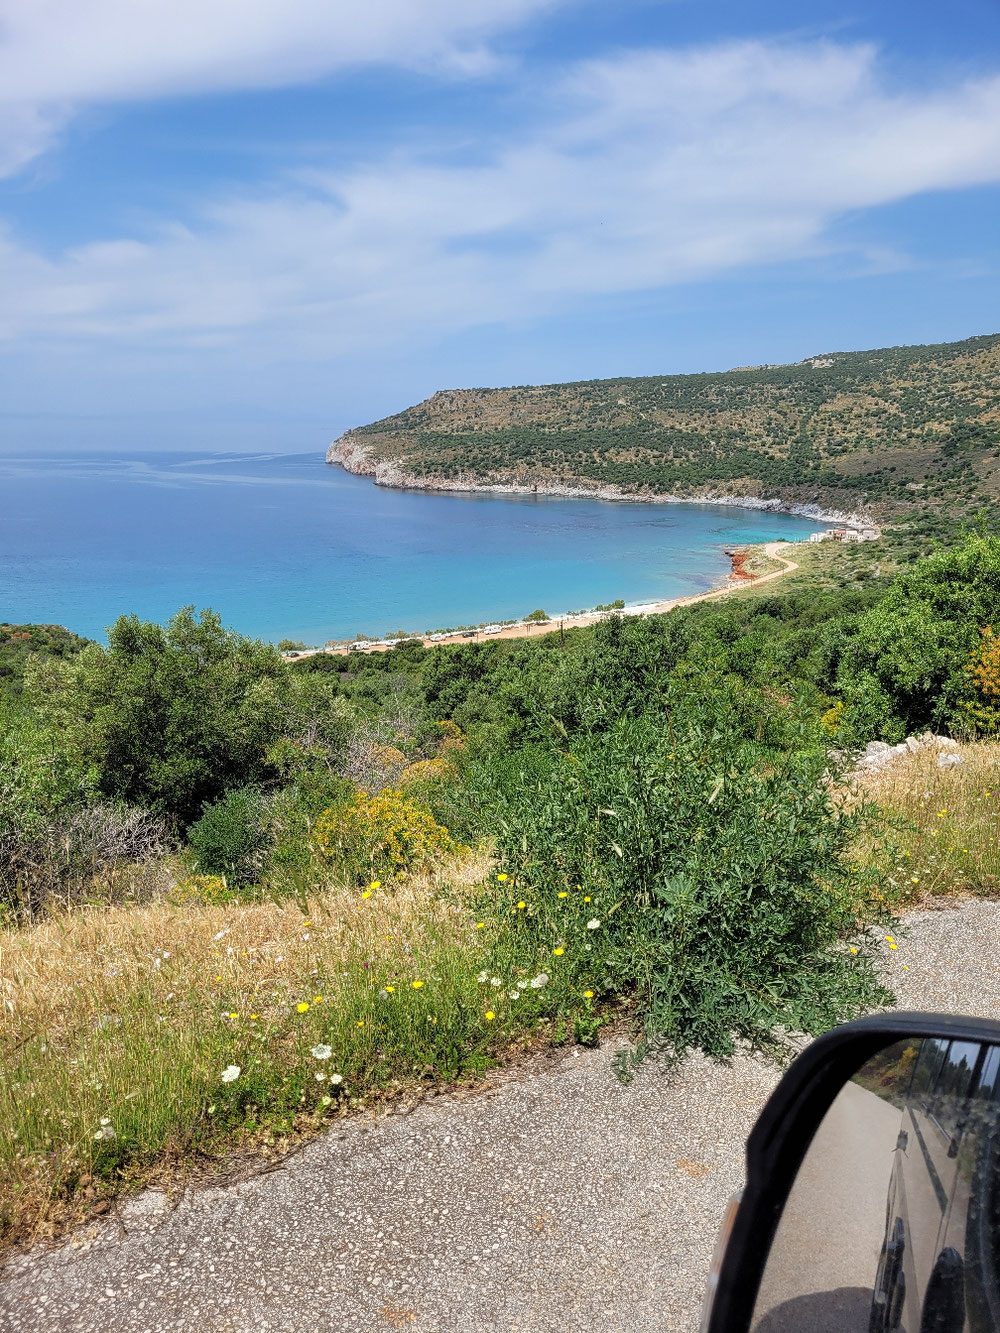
[(641, 171), (58, 55)]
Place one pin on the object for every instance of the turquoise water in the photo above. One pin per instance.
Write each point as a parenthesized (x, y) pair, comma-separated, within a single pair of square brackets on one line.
[(283, 545)]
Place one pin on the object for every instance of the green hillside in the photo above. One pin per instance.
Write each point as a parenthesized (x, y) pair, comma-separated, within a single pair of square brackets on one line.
[(894, 428), (19, 642)]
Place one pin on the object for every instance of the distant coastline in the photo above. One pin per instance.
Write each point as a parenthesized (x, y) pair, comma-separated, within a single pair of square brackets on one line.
[(354, 456)]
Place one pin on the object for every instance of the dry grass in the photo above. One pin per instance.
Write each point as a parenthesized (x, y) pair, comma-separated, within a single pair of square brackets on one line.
[(950, 840), (129, 1016)]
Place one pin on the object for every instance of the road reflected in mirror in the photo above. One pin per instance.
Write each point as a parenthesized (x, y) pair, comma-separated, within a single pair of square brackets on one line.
[(893, 1222)]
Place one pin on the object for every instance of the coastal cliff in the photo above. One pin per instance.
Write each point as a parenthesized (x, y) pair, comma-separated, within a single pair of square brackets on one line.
[(355, 454), (848, 437)]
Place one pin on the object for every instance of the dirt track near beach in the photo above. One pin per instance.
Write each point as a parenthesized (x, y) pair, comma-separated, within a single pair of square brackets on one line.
[(560, 1201)]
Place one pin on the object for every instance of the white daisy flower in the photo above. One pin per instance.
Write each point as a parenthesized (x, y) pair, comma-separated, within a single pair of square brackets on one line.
[(231, 1073), (593, 923), (322, 1052)]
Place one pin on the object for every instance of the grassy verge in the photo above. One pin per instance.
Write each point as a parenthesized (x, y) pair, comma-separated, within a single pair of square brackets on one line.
[(761, 563), (949, 835), (134, 1036), (827, 565), (684, 872)]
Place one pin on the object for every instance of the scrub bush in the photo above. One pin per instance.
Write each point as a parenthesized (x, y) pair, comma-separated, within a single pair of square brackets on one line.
[(980, 709), (233, 838), (381, 835), (686, 863), (169, 717)]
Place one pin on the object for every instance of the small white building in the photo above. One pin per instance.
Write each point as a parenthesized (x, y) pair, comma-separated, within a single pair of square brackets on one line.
[(846, 535)]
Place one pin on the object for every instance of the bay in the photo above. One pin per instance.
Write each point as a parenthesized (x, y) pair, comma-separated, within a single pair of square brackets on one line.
[(287, 546)]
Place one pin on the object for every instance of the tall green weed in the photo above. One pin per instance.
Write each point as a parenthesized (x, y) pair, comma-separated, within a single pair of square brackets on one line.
[(687, 861)]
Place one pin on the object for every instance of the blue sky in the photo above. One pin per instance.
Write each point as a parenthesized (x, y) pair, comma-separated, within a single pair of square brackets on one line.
[(251, 224)]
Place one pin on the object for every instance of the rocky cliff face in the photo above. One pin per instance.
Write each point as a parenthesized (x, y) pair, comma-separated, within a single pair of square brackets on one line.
[(355, 453)]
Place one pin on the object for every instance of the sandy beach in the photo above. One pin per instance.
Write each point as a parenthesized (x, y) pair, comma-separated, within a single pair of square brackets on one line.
[(526, 631)]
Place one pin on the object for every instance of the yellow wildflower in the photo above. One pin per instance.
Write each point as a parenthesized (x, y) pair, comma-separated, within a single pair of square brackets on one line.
[(564, 894), (417, 985), (502, 878), (557, 951), (302, 1007), (490, 1015), (588, 994), (521, 906)]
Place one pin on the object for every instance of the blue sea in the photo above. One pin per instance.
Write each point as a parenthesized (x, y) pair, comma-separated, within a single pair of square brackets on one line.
[(287, 546)]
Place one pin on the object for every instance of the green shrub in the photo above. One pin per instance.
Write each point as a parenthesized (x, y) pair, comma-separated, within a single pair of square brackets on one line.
[(686, 863), (169, 717), (38, 784), (911, 651), (296, 862), (233, 837)]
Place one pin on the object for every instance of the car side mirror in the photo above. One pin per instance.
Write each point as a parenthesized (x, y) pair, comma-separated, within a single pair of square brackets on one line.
[(872, 1202)]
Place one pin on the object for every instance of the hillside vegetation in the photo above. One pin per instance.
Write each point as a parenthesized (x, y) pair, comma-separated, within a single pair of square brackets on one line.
[(891, 429), (240, 896), (19, 642)]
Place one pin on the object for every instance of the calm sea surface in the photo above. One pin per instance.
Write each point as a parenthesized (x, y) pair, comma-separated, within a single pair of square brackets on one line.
[(287, 546)]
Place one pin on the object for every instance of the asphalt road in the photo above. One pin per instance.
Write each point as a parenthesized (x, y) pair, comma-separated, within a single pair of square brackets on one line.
[(820, 1270), (560, 1201)]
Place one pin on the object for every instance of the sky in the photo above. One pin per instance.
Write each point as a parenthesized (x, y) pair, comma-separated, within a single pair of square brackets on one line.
[(250, 224)]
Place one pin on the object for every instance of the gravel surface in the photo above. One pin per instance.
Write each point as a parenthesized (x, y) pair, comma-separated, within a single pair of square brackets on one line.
[(560, 1200)]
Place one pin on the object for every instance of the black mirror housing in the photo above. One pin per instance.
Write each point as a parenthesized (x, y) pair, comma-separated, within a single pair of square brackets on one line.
[(783, 1133)]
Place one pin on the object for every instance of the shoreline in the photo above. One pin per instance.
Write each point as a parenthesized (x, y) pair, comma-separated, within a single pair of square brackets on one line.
[(525, 630), (355, 457)]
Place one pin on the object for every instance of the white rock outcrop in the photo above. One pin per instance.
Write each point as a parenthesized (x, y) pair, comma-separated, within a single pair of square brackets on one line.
[(877, 754)]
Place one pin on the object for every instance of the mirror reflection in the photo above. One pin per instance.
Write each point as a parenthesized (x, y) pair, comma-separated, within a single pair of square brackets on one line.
[(893, 1222)]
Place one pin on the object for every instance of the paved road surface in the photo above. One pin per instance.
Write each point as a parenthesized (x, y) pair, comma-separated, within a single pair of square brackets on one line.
[(824, 1257), (563, 1202)]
